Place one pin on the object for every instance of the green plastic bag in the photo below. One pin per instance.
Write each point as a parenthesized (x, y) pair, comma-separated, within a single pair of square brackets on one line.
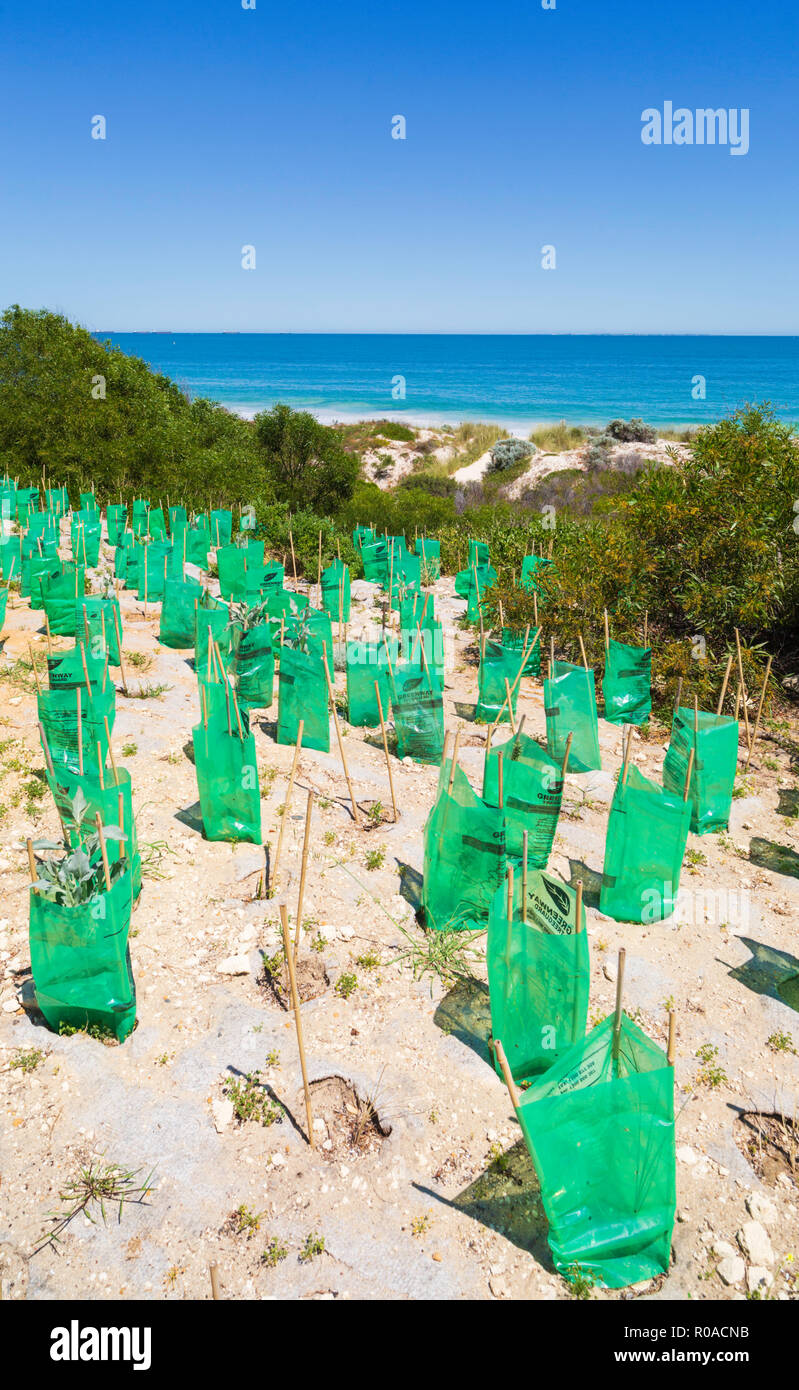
[(181, 597), (375, 561), (430, 555), (600, 1130), (478, 554), (61, 594), (221, 527), (362, 535), (42, 568), (106, 800), (88, 502), (418, 710), (80, 961), (195, 544), (472, 584), (464, 856), (103, 618), (231, 564), (58, 716), (336, 591), (302, 694), (227, 779), (367, 662), (532, 568), (538, 974), (212, 620), (116, 522), (715, 745), (85, 540), (627, 682), (11, 559), (570, 708), (253, 665), (309, 631), (497, 667), (155, 564), (156, 523), (66, 669), (139, 516), (644, 847), (532, 792), (513, 640), (406, 579)]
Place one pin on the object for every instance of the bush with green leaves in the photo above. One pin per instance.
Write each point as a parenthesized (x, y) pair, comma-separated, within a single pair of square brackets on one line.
[(77, 875), (631, 432), (506, 453), (306, 462)]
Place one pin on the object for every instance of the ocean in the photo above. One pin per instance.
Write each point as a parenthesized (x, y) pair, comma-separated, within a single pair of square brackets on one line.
[(515, 380)]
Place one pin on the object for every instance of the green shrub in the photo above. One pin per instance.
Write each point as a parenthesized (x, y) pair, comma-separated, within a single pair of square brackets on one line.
[(631, 432), (508, 452)]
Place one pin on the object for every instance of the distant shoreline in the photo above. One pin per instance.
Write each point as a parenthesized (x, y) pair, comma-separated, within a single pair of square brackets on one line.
[(431, 421)]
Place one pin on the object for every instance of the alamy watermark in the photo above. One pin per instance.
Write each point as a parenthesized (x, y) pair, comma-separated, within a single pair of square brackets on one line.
[(705, 126)]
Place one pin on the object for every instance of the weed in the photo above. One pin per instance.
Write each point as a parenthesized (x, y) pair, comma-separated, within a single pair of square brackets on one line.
[(149, 691), (781, 1042), (346, 985), (272, 1058), (245, 1222), (27, 1061), (330, 837), (711, 1073), (368, 961), (376, 858), (95, 1185), (374, 815), (138, 661), (694, 857), (152, 853), (581, 1282), (130, 749), (314, 1245), (251, 1102), (421, 1224), (318, 944), (274, 1253)]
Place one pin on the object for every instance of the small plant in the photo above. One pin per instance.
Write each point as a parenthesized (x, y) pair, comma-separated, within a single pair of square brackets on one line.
[(329, 837), (245, 1222), (694, 857), (376, 858), (374, 816), (346, 985), (27, 1061), (77, 875), (251, 1102), (421, 1224), (95, 1185), (581, 1282), (149, 691), (274, 1253), (138, 661), (508, 452), (272, 1058), (314, 1245), (130, 749), (781, 1042), (711, 1073), (370, 960), (318, 944)]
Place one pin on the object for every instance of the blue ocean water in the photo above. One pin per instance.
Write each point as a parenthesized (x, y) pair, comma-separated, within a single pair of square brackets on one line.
[(515, 380)]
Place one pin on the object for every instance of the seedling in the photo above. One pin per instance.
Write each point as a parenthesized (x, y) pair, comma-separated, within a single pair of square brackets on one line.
[(781, 1042), (95, 1185), (421, 1224), (245, 1221), (314, 1245), (149, 691), (711, 1073), (77, 875), (274, 1253), (375, 858), (130, 749), (581, 1282), (27, 1061), (251, 1102), (346, 985)]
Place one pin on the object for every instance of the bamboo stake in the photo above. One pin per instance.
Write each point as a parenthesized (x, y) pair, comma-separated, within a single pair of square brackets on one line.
[(627, 751), (385, 750), (565, 764), (578, 908), (293, 557), (204, 699), (607, 633), (98, 820), (619, 988), (689, 770), (500, 782), (744, 695), (759, 712), (525, 654), (582, 650), (213, 1270), (510, 895), (672, 1048), (524, 875), (677, 696), (507, 1076), (114, 767), (85, 670), (305, 846), (121, 658), (454, 762), (35, 671), (720, 705), (646, 626), (696, 714), (80, 730), (295, 1002), (99, 748), (32, 861), (49, 634), (287, 802), (509, 703), (355, 813)]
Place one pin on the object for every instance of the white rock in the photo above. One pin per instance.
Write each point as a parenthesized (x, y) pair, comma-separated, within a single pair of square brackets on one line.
[(686, 1154), (758, 1278), (234, 965), (724, 1250), (761, 1209), (222, 1111), (753, 1240), (10, 1006), (731, 1270)]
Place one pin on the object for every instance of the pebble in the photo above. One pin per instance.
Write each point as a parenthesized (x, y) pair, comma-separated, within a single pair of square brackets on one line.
[(685, 1154), (234, 965), (222, 1111), (731, 1270), (761, 1209), (758, 1277), (754, 1241)]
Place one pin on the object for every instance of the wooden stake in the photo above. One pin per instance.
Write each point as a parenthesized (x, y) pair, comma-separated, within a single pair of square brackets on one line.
[(627, 751), (646, 626), (454, 762), (619, 988), (677, 696), (509, 703), (32, 861), (689, 770), (104, 852), (672, 1048), (513, 1090), (119, 644), (213, 1270), (524, 875), (295, 1003), (607, 633), (720, 705), (114, 768), (696, 714), (743, 689), (385, 750), (582, 650), (578, 908), (509, 904), (487, 756), (500, 782), (305, 845), (287, 803), (565, 764), (99, 748), (355, 813), (756, 729), (293, 557)]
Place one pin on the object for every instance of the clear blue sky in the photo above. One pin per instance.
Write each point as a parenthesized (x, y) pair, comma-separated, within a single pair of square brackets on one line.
[(272, 127)]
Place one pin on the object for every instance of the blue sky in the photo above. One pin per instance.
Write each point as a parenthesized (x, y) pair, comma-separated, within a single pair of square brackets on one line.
[(272, 127)]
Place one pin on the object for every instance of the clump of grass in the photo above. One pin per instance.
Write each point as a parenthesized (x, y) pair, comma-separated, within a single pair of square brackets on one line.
[(138, 661), (376, 858), (711, 1073), (130, 749), (314, 1245), (274, 1253), (251, 1102), (446, 954), (153, 853), (27, 1061), (370, 960), (95, 1185), (149, 691), (581, 1282), (781, 1042), (346, 985), (245, 1222), (556, 439)]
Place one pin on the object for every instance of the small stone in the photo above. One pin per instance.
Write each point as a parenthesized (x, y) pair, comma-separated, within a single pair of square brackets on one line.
[(234, 965), (724, 1250), (438, 1258), (685, 1154), (498, 1287), (754, 1241), (10, 1006), (758, 1278), (761, 1209), (222, 1111), (731, 1270), (277, 1160)]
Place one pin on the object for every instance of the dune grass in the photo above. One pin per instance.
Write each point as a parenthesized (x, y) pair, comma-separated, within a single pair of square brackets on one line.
[(554, 439)]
